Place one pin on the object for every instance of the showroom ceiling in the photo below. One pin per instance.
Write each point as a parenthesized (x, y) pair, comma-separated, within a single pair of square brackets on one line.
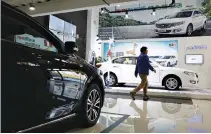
[(46, 7), (24, 2)]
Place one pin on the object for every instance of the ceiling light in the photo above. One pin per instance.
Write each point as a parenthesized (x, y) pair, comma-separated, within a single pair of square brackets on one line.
[(102, 10), (126, 14), (31, 7)]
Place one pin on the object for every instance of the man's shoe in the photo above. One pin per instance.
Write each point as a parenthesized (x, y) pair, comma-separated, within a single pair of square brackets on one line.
[(146, 98), (132, 94)]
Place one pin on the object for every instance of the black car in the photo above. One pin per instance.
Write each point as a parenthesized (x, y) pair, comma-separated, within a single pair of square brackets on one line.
[(43, 80)]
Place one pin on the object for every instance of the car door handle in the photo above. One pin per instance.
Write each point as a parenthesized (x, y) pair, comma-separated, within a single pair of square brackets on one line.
[(116, 66)]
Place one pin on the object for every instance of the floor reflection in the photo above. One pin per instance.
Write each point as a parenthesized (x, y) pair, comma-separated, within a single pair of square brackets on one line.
[(105, 120), (154, 116), (161, 116)]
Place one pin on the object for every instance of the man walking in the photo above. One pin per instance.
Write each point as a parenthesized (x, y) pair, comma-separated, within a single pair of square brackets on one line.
[(142, 68)]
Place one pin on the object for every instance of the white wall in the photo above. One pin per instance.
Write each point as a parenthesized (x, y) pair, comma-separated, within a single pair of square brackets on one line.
[(204, 70), (92, 31)]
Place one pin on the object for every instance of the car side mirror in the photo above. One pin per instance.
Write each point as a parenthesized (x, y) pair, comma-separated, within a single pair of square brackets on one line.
[(71, 47)]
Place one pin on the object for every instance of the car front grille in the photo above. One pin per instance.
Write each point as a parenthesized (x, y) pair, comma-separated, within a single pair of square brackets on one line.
[(167, 31), (163, 25)]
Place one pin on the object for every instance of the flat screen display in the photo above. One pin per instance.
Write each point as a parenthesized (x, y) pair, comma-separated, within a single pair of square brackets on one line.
[(65, 31), (194, 59)]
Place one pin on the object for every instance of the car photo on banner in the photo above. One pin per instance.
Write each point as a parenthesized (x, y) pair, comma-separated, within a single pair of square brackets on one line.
[(186, 18), (184, 22)]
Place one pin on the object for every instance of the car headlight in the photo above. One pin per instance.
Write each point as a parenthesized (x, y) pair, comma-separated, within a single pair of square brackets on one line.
[(189, 73), (178, 23)]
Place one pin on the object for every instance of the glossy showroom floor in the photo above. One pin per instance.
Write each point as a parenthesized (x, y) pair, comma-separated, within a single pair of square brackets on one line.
[(123, 115)]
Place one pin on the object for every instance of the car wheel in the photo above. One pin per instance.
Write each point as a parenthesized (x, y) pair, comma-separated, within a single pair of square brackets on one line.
[(189, 30), (112, 79), (91, 106), (172, 83)]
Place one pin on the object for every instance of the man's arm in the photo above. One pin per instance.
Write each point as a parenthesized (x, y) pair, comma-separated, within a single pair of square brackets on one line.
[(150, 67), (136, 70)]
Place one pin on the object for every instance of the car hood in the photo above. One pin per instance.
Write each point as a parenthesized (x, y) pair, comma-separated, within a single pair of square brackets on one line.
[(173, 20), (161, 59), (177, 69)]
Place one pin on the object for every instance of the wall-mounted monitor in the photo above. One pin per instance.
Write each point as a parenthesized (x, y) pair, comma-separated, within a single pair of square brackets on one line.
[(65, 31), (196, 59)]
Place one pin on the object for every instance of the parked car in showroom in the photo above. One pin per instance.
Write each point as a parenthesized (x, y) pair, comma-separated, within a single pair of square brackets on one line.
[(184, 22), (167, 61), (43, 80), (121, 71), (155, 57)]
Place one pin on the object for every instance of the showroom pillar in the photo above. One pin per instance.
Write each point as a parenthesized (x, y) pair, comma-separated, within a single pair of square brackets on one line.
[(92, 32)]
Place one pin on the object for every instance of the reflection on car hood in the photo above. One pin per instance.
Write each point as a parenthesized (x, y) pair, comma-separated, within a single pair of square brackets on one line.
[(173, 20), (176, 69), (161, 60)]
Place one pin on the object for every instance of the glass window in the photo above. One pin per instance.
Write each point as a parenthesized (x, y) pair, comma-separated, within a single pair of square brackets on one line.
[(184, 14), (196, 13), (56, 75), (19, 33), (125, 60), (119, 60)]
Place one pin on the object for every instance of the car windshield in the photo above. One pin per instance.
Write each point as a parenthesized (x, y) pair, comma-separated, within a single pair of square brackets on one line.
[(166, 57), (184, 14)]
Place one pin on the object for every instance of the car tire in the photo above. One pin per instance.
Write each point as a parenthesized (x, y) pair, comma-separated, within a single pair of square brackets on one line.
[(172, 83), (94, 104), (113, 77), (189, 30)]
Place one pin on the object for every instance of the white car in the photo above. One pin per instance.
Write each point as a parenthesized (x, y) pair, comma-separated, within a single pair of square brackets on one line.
[(155, 57), (167, 61), (122, 71), (183, 22)]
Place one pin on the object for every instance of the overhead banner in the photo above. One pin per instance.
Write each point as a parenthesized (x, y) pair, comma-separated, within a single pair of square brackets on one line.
[(190, 18), (163, 52)]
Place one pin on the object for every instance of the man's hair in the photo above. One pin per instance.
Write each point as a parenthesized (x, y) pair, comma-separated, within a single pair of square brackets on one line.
[(143, 49)]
